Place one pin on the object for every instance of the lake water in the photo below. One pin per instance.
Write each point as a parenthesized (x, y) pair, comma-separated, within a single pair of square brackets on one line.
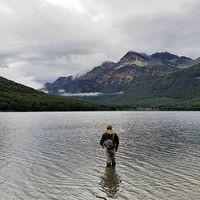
[(56, 156)]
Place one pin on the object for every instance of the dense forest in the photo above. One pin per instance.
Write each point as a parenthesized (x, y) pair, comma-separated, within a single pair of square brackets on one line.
[(17, 97)]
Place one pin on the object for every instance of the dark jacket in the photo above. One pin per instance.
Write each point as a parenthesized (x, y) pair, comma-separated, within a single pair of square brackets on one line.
[(107, 136)]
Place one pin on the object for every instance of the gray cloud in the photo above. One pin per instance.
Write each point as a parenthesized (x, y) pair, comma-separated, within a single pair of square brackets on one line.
[(43, 39), (3, 66)]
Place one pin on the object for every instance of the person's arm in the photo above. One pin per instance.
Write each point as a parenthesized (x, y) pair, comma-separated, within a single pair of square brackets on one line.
[(102, 140), (116, 142)]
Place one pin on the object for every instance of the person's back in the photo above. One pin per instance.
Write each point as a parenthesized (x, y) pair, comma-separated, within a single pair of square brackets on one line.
[(110, 141)]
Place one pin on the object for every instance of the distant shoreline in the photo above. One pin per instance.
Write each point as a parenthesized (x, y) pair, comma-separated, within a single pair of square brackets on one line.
[(128, 110)]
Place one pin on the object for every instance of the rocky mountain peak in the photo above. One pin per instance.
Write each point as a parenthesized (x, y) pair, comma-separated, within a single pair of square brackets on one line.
[(134, 58), (164, 56), (172, 60)]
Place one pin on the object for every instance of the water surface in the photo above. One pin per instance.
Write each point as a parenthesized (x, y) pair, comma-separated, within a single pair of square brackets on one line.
[(56, 156)]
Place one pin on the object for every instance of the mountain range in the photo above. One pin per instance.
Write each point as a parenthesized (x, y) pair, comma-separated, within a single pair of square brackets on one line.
[(158, 81), (113, 77)]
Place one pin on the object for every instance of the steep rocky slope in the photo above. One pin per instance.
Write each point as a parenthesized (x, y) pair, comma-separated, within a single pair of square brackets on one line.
[(113, 77)]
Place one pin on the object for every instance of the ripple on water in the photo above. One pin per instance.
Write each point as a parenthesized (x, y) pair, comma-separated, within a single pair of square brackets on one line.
[(57, 156)]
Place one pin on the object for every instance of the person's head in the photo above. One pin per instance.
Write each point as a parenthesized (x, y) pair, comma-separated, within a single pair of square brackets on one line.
[(109, 127)]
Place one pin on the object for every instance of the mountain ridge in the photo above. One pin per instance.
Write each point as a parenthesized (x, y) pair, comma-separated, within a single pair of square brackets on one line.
[(114, 77)]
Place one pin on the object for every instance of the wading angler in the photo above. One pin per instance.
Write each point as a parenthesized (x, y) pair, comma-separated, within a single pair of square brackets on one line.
[(110, 141)]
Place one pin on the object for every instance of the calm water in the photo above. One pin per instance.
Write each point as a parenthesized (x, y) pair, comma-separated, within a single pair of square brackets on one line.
[(56, 156)]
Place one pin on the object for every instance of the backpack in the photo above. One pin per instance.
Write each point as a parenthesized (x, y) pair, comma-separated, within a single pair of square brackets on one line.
[(109, 143)]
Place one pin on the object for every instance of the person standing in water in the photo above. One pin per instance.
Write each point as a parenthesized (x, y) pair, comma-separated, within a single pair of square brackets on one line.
[(110, 141)]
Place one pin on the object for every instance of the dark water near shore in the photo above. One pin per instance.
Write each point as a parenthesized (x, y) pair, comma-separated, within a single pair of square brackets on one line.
[(56, 156)]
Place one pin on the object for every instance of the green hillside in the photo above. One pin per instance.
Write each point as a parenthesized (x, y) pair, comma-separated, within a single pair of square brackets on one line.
[(17, 97), (178, 90)]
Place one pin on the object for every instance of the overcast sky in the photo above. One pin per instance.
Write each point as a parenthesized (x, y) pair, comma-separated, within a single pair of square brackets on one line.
[(41, 40)]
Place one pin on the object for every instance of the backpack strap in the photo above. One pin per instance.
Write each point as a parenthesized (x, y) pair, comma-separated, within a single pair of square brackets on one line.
[(113, 137)]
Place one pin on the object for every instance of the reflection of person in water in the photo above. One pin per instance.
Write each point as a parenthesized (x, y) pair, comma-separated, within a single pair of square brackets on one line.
[(110, 182)]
